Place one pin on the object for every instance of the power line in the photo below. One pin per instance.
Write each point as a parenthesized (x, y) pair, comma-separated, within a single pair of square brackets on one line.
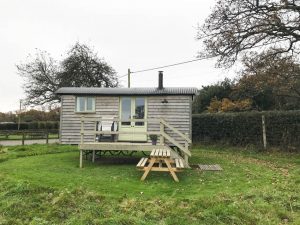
[(189, 61), (123, 75), (170, 65), (160, 67)]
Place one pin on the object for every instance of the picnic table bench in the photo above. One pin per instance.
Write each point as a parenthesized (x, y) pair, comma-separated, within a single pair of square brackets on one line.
[(160, 160)]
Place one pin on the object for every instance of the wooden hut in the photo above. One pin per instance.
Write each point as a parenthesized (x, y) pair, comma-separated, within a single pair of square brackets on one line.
[(132, 116)]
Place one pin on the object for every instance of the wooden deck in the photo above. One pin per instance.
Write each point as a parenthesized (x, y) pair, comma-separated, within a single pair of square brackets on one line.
[(116, 146), (162, 136), (120, 146)]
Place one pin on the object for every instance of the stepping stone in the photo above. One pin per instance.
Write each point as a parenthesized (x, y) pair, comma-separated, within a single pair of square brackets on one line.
[(215, 167)]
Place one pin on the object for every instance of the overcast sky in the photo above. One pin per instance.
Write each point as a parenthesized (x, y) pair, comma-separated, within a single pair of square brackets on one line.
[(135, 34)]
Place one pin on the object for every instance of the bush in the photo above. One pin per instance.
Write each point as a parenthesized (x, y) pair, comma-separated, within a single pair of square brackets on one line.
[(56, 125), (42, 125), (13, 126), (52, 125), (33, 126), (282, 128)]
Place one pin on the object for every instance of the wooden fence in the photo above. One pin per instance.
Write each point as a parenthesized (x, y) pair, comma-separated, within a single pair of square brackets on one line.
[(23, 135)]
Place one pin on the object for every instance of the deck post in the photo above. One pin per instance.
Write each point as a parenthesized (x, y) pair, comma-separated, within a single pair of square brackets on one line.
[(162, 130), (186, 158), (93, 156), (80, 159), (81, 130), (95, 130)]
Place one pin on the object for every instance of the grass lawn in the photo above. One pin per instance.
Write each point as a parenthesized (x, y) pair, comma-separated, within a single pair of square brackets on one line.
[(42, 184)]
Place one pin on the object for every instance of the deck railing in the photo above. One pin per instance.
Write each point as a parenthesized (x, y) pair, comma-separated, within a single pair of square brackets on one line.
[(163, 136)]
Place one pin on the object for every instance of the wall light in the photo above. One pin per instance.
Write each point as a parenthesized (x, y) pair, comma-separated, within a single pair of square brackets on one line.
[(165, 101)]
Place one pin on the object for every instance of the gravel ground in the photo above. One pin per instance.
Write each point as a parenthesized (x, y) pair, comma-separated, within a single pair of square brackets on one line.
[(27, 142)]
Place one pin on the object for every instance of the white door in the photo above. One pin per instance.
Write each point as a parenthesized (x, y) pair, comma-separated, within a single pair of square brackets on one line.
[(133, 108)]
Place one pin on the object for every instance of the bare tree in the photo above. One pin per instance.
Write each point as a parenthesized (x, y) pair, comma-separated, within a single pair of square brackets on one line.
[(40, 75), (272, 82), (280, 74), (81, 68), (236, 26)]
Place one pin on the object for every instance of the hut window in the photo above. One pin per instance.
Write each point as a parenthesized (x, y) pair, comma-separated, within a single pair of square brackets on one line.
[(85, 104)]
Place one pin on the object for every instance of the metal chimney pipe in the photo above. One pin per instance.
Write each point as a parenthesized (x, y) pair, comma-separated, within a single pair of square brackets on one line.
[(160, 79)]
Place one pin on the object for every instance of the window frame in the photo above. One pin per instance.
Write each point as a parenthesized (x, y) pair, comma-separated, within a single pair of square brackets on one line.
[(77, 109)]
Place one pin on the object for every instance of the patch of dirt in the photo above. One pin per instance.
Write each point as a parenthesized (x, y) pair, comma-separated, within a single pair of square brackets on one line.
[(265, 163)]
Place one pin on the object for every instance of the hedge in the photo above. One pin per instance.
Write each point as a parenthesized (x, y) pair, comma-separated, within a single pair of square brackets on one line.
[(41, 125), (282, 128)]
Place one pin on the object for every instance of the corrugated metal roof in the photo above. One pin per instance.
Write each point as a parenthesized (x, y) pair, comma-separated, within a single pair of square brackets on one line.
[(126, 91)]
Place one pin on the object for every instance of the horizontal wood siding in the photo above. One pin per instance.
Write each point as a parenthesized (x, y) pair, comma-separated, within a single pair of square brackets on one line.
[(177, 112), (70, 121)]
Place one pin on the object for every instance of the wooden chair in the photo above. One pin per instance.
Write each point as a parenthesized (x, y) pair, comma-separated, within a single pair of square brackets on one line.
[(107, 124)]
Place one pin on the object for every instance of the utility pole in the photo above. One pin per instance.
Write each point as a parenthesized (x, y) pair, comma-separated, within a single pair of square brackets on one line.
[(19, 121), (128, 78)]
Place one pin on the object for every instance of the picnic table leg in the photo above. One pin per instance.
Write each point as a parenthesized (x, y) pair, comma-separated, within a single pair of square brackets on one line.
[(171, 170), (160, 163), (148, 168)]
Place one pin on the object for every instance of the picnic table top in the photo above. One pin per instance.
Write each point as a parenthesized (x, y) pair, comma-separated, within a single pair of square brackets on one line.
[(161, 153)]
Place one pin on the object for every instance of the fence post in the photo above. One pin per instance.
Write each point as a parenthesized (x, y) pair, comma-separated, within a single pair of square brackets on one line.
[(23, 138), (47, 137), (264, 131)]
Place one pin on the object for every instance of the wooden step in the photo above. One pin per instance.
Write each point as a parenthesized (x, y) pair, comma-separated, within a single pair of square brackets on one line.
[(142, 163), (179, 164)]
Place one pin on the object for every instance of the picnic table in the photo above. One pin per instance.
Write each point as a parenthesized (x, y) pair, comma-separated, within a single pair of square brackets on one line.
[(160, 160)]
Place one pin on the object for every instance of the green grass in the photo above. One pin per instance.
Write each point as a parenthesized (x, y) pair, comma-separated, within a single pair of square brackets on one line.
[(42, 184), (19, 137)]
